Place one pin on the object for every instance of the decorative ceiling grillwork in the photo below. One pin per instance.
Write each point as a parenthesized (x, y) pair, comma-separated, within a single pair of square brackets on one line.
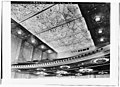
[(61, 26)]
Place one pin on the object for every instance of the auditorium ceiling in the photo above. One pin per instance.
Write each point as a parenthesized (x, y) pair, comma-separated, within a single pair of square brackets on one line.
[(60, 26), (60, 39)]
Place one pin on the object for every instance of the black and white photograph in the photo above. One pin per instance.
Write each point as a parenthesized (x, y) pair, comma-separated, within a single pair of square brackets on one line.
[(60, 39), (60, 43)]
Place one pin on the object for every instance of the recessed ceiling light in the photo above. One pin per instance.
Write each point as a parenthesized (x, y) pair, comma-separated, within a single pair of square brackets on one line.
[(49, 51), (19, 32), (40, 73), (41, 69), (101, 60), (33, 41), (103, 72), (85, 70), (62, 72), (43, 47), (97, 18), (102, 39), (100, 31), (19, 70), (65, 67), (78, 74)]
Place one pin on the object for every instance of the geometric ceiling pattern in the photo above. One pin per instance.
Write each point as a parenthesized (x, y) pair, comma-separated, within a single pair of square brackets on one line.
[(61, 26)]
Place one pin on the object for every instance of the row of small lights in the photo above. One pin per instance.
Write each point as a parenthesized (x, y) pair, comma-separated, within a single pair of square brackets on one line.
[(98, 18)]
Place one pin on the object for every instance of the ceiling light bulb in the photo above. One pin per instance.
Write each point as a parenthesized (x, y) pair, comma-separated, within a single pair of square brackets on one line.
[(19, 70), (19, 32), (62, 72), (85, 70), (41, 69), (49, 51), (97, 18), (41, 73), (101, 39), (101, 60), (42, 46), (100, 31), (33, 40), (78, 74), (65, 66)]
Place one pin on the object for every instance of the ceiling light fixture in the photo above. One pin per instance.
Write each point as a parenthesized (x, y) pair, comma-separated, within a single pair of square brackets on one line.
[(19, 32), (42, 69), (102, 72), (65, 67), (40, 73), (101, 60), (97, 18), (62, 72), (33, 40), (85, 70), (49, 51), (42, 46), (100, 31), (102, 39), (78, 74)]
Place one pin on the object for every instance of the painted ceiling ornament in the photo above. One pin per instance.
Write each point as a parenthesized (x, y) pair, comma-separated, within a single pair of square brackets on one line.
[(21, 12)]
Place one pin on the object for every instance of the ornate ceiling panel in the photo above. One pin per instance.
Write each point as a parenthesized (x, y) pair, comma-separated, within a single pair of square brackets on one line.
[(67, 30), (61, 26), (20, 12), (52, 17)]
